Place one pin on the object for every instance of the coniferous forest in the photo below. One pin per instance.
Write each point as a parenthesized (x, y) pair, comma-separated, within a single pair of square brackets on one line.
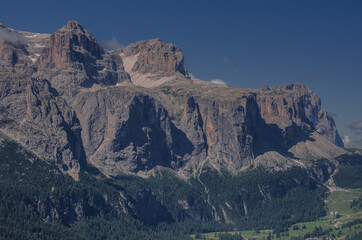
[(39, 202)]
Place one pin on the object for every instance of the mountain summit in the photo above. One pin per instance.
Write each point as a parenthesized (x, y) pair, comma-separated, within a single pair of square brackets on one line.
[(68, 100)]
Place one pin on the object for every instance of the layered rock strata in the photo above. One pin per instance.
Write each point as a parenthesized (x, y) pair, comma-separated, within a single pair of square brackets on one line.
[(134, 109)]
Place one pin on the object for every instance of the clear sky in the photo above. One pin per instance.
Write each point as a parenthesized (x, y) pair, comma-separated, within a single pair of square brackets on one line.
[(247, 44)]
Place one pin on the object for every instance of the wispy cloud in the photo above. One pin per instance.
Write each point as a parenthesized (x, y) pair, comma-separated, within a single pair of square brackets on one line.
[(192, 76), (350, 143), (356, 125), (10, 36), (346, 140), (225, 59), (219, 81), (112, 44)]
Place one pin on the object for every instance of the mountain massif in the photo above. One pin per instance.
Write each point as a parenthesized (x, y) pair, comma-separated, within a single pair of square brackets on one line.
[(133, 109), (136, 112)]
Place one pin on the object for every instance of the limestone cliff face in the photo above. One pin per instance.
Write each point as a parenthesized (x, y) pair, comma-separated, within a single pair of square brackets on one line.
[(42, 123), (69, 45), (125, 130), (234, 129), (156, 56), (223, 132), (74, 60), (304, 106), (321, 119), (134, 109)]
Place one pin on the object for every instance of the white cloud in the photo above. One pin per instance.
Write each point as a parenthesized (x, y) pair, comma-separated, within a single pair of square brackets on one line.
[(192, 76), (346, 140), (10, 36), (219, 81), (356, 125), (350, 143), (112, 44)]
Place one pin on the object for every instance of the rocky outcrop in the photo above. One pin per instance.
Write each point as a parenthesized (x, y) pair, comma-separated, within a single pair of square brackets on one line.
[(134, 129), (322, 170), (227, 131), (125, 130), (74, 60), (322, 121), (152, 63), (41, 122), (305, 106), (326, 126), (156, 56), (69, 45), (14, 56)]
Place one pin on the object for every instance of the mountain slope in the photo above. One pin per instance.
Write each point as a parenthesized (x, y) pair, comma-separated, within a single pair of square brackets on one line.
[(39, 202)]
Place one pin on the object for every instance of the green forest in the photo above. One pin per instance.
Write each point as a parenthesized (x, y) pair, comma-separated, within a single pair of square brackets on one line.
[(37, 201)]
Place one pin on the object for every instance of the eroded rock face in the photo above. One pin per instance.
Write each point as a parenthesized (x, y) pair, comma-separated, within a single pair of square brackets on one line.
[(74, 60), (227, 130), (44, 124), (323, 122), (14, 56), (69, 45), (78, 105), (156, 56), (304, 106), (132, 129), (128, 131)]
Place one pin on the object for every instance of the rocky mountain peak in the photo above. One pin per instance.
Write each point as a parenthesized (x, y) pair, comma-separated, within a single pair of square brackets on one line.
[(71, 43), (74, 25), (156, 56), (74, 60), (80, 39)]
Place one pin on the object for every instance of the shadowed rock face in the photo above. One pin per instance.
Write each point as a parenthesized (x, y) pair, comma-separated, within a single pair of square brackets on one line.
[(305, 106), (77, 105), (129, 131), (322, 120), (44, 124), (150, 210)]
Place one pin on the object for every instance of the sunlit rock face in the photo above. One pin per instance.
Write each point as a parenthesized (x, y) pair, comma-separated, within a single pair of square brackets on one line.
[(133, 109)]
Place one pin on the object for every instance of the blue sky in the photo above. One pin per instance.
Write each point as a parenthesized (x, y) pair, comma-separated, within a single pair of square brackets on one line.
[(247, 44)]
